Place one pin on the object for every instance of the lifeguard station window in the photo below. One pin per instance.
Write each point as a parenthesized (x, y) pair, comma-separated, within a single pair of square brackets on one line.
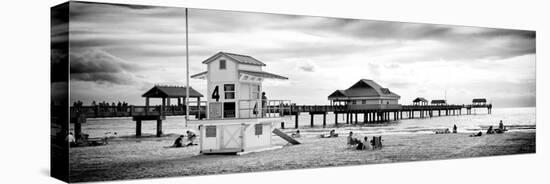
[(229, 109), (229, 90), (258, 129), (210, 131), (364, 101), (222, 64), (255, 92)]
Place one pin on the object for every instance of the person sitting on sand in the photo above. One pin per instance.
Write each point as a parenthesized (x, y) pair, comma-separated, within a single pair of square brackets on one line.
[(501, 128), (363, 145), (332, 133), (179, 142), (376, 142), (476, 134), (352, 141), (373, 142), (297, 134), (190, 138), (490, 130), (455, 129), (380, 141)]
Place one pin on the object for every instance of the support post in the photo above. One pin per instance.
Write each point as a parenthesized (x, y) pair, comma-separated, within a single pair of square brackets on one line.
[(159, 128), (146, 105), (198, 107), (311, 118), (162, 106), (325, 119), (336, 118), (138, 128), (296, 120)]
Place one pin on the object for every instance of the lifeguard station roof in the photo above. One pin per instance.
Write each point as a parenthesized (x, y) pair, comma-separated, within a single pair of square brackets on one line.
[(364, 88), (239, 58), (159, 91), (261, 74)]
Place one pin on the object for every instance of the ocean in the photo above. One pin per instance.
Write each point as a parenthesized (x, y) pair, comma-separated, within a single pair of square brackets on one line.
[(515, 119)]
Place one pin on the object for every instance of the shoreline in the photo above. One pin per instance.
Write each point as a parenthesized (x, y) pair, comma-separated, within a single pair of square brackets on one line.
[(149, 157)]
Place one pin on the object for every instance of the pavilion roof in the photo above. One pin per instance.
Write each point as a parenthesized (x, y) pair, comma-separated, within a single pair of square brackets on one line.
[(365, 88), (439, 101), (159, 91), (479, 100), (420, 99)]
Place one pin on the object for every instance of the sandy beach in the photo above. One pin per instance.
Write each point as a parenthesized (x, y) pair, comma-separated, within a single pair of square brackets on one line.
[(131, 158)]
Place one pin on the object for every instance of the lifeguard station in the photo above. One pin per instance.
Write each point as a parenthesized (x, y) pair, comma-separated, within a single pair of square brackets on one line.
[(238, 119)]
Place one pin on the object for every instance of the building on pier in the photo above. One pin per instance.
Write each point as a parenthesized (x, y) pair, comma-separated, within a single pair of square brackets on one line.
[(167, 93), (420, 101), (439, 102), (479, 101), (365, 92)]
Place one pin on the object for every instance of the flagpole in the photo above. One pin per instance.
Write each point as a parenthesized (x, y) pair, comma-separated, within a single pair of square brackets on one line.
[(187, 69)]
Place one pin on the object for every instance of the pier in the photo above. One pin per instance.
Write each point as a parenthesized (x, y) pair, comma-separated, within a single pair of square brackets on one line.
[(371, 113), (375, 103)]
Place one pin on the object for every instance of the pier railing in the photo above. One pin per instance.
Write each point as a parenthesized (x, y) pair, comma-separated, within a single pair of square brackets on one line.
[(273, 107), (250, 108), (128, 111)]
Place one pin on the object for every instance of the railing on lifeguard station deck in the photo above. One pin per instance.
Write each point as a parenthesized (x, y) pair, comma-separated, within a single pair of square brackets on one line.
[(255, 108)]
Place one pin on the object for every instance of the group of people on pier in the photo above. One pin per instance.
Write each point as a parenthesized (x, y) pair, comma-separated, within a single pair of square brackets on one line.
[(120, 106)]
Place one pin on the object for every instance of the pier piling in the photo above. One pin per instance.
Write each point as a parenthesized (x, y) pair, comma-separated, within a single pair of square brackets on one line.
[(296, 120), (324, 119), (138, 128), (159, 127)]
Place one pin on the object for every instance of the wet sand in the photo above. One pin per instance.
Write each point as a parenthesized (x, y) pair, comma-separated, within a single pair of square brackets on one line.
[(130, 158)]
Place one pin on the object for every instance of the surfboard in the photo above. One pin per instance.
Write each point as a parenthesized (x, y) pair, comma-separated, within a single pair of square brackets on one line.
[(285, 137)]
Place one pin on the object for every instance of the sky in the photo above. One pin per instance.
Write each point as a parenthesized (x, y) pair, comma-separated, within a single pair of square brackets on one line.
[(118, 52)]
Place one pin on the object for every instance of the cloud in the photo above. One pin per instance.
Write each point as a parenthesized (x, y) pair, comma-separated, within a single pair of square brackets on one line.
[(101, 67), (120, 41), (308, 66)]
